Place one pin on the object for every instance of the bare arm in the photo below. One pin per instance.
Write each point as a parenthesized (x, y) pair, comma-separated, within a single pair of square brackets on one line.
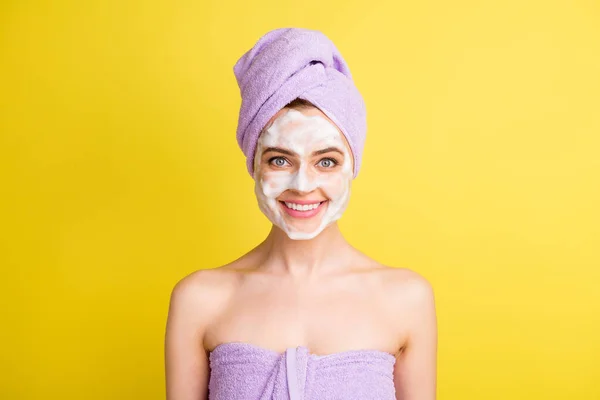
[(186, 362), (415, 373)]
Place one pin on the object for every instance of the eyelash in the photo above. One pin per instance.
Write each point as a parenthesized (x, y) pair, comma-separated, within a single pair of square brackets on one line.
[(333, 160)]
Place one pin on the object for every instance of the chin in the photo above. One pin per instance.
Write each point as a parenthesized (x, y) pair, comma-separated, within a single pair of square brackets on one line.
[(307, 232), (300, 235)]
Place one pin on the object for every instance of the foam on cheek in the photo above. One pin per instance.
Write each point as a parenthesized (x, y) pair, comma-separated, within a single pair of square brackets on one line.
[(303, 135), (273, 184), (334, 187)]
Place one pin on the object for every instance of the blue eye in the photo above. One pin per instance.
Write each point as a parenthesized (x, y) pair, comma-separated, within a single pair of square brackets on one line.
[(328, 163), (278, 161)]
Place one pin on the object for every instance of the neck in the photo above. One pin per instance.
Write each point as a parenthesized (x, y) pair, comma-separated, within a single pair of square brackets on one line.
[(303, 258)]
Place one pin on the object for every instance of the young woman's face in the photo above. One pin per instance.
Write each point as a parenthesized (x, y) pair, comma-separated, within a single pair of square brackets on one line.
[(302, 171)]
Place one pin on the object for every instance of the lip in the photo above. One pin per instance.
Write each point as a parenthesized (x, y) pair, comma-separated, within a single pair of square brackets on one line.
[(302, 201), (302, 214)]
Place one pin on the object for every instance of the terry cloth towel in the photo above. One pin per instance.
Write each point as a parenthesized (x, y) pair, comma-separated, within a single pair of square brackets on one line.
[(242, 371), (290, 63)]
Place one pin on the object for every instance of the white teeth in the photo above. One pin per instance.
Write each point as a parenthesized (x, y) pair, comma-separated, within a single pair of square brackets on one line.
[(302, 207)]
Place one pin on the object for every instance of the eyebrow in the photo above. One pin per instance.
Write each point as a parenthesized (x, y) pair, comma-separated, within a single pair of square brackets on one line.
[(327, 150), (279, 150), (291, 153)]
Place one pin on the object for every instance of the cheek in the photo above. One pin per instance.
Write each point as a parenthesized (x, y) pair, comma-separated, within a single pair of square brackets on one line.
[(274, 183), (335, 185)]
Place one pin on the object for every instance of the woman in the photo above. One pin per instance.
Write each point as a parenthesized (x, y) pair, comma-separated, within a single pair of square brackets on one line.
[(304, 315)]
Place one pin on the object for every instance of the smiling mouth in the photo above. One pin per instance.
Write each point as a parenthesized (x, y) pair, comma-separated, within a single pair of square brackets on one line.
[(302, 210), (301, 207)]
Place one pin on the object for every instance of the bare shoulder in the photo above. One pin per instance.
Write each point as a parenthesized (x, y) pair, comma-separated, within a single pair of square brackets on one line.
[(408, 303), (205, 280), (202, 293), (406, 286), (195, 302)]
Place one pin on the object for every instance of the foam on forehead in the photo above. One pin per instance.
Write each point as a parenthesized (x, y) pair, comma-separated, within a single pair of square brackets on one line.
[(293, 127)]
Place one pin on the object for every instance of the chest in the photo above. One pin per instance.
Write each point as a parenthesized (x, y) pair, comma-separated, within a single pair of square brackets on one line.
[(328, 319)]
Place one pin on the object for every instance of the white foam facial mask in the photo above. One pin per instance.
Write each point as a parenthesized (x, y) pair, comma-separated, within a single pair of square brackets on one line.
[(304, 175)]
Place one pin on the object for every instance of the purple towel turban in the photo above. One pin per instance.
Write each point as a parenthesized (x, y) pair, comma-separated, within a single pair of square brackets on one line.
[(290, 63)]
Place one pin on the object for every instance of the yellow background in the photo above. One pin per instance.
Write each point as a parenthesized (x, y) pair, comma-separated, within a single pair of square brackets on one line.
[(120, 174)]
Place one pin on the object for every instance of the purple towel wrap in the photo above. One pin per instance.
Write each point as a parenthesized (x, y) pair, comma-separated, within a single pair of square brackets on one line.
[(242, 371), (290, 63)]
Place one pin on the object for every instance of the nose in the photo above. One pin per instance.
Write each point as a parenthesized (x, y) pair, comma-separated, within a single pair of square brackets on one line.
[(302, 182)]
